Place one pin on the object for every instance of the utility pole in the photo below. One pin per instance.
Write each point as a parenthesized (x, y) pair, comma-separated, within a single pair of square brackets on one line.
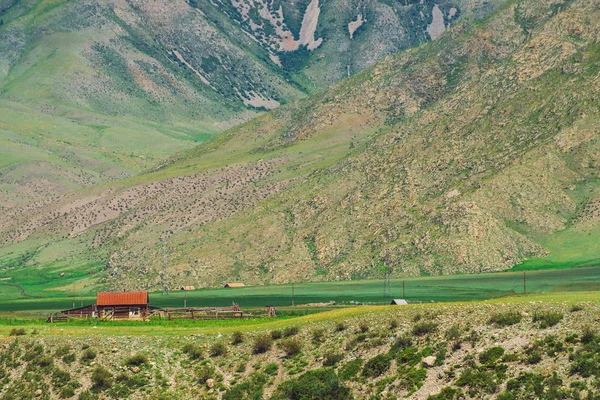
[(73, 294), (403, 291), (164, 271), (184, 298), (292, 294), (524, 282), (387, 286)]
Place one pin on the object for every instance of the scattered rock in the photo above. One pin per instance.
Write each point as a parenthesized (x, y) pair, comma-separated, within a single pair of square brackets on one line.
[(429, 361), (210, 383)]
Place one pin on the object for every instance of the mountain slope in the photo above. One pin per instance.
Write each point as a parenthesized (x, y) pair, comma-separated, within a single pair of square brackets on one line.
[(94, 91), (469, 154)]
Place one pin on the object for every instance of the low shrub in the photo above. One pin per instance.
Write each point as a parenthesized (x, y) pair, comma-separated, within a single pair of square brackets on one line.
[(17, 332), (251, 389), (424, 328), (447, 393), (276, 334), (237, 337), (491, 355), (218, 349), (547, 319), (314, 385), (506, 318), (393, 324), (262, 344), (137, 360), (88, 355), (377, 366), (477, 381), (193, 351), (101, 378), (588, 334), (340, 326), (453, 333), (69, 358), (317, 335), (271, 369), (363, 327), (291, 331), (331, 358), (576, 308), (349, 370), (291, 346), (204, 373)]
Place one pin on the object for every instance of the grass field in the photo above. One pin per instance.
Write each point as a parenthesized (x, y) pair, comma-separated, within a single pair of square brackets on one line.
[(211, 327), (459, 288)]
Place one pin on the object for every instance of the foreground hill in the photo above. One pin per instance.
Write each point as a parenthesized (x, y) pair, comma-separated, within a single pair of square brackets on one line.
[(94, 91), (514, 350), (469, 154)]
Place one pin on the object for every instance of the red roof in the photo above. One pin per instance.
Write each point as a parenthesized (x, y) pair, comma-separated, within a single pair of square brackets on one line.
[(121, 298)]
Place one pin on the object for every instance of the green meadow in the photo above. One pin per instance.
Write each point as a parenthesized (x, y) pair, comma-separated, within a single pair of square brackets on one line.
[(458, 288)]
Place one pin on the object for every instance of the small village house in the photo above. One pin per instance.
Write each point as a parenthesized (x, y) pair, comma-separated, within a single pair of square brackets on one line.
[(123, 305), (114, 305)]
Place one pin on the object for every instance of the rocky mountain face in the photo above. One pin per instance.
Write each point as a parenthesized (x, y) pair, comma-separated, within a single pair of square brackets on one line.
[(471, 153), (96, 91)]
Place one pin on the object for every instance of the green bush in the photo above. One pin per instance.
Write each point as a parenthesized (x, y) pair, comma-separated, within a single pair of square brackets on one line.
[(251, 389), (576, 308), (351, 369), (377, 366), (477, 381), (506, 318), (62, 351), (314, 385), (393, 324), (271, 369), (291, 346), (218, 349), (290, 331), (588, 335), (453, 333), (276, 334), (447, 393), (331, 358), (262, 344), (340, 326), (547, 319), (193, 351), (424, 328), (137, 360), (88, 355), (17, 332), (69, 358), (101, 378), (204, 373), (491, 355), (317, 335), (363, 327), (237, 338)]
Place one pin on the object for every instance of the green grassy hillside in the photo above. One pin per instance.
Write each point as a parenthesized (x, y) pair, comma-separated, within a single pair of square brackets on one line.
[(95, 91)]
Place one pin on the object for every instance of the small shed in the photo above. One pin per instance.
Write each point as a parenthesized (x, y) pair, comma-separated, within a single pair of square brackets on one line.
[(122, 305), (186, 288), (234, 285), (399, 302)]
